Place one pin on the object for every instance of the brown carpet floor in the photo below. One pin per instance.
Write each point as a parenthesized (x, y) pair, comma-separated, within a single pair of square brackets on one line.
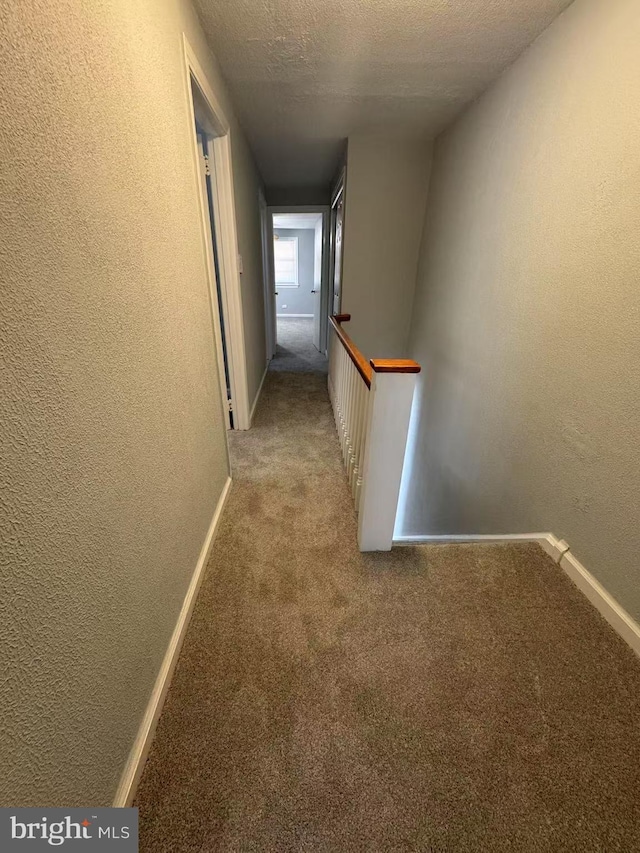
[(443, 698), (295, 352)]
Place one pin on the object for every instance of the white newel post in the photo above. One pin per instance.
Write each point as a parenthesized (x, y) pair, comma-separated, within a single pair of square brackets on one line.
[(372, 408), (387, 425)]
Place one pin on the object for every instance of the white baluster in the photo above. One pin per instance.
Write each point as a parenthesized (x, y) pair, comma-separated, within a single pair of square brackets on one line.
[(364, 406), (348, 413), (355, 382), (332, 364), (336, 385), (361, 390), (344, 358), (336, 388)]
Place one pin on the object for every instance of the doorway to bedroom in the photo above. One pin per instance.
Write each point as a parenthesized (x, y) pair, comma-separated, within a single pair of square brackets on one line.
[(299, 289)]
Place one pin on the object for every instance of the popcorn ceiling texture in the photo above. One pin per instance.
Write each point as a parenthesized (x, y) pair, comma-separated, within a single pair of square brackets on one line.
[(306, 74), (112, 448), (527, 313)]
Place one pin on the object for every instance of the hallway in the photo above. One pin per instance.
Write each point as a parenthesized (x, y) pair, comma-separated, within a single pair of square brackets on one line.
[(450, 193), (459, 698)]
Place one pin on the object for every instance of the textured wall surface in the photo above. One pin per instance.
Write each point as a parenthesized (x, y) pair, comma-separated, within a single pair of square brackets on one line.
[(527, 312), (112, 446), (299, 300), (386, 194), (306, 75)]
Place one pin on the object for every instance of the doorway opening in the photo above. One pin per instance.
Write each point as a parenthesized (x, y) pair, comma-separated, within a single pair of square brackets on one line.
[(299, 287), (205, 163), (212, 156)]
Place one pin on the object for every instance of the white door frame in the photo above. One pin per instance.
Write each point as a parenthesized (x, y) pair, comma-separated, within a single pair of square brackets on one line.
[(338, 191), (226, 235), (324, 209), (267, 266), (213, 292)]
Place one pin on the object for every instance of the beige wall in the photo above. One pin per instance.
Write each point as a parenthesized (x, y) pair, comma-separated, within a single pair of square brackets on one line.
[(527, 311), (112, 446), (386, 194)]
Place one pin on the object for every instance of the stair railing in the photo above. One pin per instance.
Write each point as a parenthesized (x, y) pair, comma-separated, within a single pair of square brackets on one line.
[(371, 403)]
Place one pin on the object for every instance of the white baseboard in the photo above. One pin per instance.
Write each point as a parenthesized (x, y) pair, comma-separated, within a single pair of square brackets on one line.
[(623, 624), (258, 392), (605, 603), (294, 315), (140, 749), (553, 546)]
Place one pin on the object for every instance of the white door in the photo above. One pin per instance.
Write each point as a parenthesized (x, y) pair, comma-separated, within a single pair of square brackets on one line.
[(317, 280), (266, 222), (338, 221), (316, 319), (204, 163)]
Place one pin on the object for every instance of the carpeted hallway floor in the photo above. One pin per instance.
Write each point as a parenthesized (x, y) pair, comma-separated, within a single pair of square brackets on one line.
[(295, 352), (444, 698)]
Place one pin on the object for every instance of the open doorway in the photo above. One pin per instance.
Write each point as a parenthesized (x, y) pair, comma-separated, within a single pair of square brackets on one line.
[(299, 286), (205, 164), (212, 155)]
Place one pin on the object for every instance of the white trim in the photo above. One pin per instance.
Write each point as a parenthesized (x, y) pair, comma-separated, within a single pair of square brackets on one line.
[(339, 186), (259, 391), (224, 211), (140, 749), (195, 70), (461, 538), (226, 235), (271, 275), (338, 192), (548, 541), (621, 622), (295, 315), (269, 295), (325, 284), (214, 303), (616, 616)]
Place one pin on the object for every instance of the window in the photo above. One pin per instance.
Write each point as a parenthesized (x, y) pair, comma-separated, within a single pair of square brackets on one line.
[(285, 257)]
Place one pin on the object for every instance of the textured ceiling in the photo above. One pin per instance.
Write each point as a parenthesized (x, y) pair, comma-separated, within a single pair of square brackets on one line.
[(304, 74)]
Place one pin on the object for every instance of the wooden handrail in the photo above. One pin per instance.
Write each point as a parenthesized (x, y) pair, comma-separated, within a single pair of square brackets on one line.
[(395, 365), (362, 366), (379, 365)]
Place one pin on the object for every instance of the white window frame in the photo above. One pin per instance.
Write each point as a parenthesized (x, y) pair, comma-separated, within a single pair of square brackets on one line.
[(293, 240)]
